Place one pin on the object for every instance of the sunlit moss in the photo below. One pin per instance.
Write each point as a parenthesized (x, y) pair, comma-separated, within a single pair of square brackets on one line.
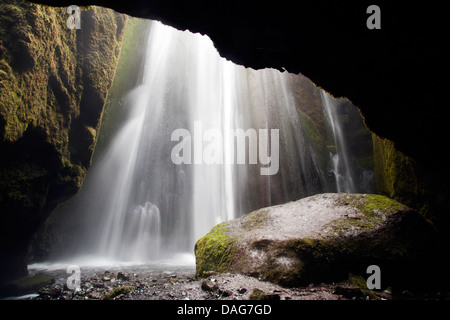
[(214, 251)]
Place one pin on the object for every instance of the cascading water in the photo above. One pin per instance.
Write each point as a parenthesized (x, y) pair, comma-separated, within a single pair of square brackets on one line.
[(347, 172), (342, 169), (138, 205)]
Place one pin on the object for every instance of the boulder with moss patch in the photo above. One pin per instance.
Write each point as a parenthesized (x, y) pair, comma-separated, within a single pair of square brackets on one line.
[(321, 238)]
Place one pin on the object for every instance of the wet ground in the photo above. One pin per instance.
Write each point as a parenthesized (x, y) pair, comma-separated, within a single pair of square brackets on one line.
[(179, 283), (175, 280)]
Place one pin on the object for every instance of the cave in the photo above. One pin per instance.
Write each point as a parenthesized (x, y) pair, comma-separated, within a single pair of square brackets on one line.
[(389, 74)]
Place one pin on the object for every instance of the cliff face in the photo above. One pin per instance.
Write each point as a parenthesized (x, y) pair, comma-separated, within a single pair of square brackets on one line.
[(54, 82)]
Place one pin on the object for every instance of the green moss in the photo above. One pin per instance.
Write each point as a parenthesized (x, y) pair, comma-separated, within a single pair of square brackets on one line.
[(371, 205), (214, 251), (30, 284), (254, 220), (361, 283), (173, 281), (416, 184), (317, 138), (279, 273), (53, 85), (374, 209), (118, 291), (11, 104), (395, 174), (314, 249), (128, 66), (316, 258), (257, 294), (366, 162), (37, 279)]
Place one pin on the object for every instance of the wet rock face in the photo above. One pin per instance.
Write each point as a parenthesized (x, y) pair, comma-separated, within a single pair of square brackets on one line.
[(320, 239), (54, 82)]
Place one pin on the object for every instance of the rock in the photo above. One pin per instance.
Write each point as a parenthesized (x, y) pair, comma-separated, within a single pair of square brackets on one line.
[(122, 276), (45, 155), (225, 293), (95, 295), (37, 282), (209, 273), (349, 292), (321, 238), (98, 285), (258, 294), (209, 286), (242, 290), (116, 292), (271, 297)]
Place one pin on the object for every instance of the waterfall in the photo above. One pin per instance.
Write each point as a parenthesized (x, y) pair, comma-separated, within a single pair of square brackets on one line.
[(172, 171), (341, 168)]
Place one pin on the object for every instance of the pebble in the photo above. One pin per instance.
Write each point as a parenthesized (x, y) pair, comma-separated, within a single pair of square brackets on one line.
[(122, 276), (208, 285), (242, 290)]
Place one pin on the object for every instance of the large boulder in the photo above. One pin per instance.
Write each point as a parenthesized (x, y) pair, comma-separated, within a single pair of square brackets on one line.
[(321, 238)]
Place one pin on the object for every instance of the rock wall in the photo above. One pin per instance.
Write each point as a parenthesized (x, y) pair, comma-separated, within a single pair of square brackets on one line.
[(54, 82), (417, 184), (62, 224)]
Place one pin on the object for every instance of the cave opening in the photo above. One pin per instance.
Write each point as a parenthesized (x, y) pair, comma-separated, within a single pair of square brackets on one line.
[(138, 208)]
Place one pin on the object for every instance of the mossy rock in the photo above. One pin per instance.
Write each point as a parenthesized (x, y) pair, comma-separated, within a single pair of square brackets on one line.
[(118, 291), (53, 86), (27, 285), (322, 238), (215, 251)]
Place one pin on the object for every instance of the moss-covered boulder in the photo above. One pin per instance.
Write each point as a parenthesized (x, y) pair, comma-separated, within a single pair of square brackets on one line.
[(321, 238)]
